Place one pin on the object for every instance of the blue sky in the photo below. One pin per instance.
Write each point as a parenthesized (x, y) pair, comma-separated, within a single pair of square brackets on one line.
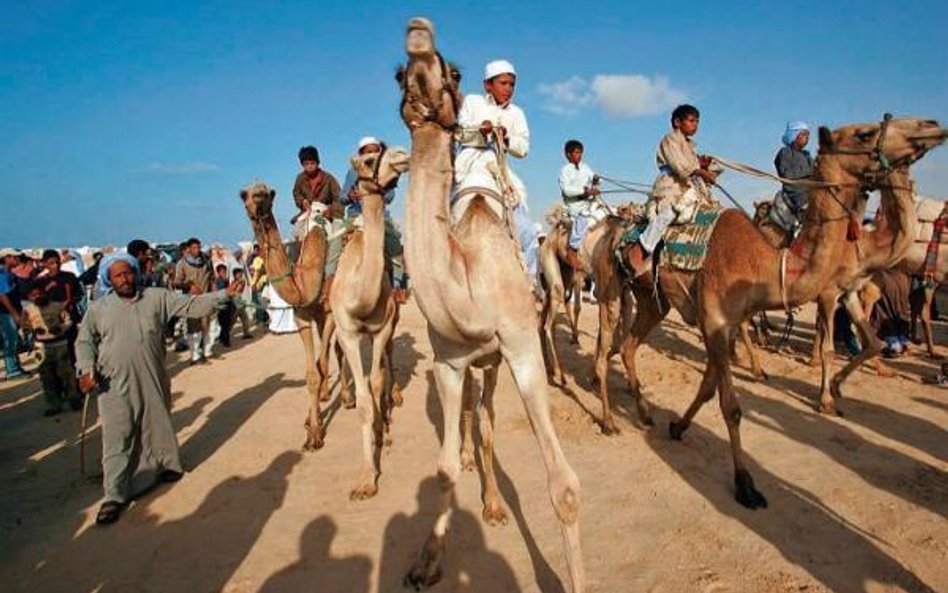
[(126, 119)]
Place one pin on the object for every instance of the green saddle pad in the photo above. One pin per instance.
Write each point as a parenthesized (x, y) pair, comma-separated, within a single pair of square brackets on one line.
[(686, 245)]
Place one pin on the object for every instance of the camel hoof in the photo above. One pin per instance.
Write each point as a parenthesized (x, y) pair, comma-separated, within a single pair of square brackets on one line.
[(468, 463), (494, 514), (746, 494), (427, 569), (676, 430), (324, 396), (313, 444), (364, 492), (829, 410), (349, 404), (609, 428), (397, 399), (884, 371)]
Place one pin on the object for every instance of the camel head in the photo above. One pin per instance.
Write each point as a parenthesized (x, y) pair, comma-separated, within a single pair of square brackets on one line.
[(258, 199), (429, 84), (378, 172), (869, 151)]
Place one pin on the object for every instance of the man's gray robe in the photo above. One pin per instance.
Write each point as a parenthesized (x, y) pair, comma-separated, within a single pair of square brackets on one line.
[(122, 341)]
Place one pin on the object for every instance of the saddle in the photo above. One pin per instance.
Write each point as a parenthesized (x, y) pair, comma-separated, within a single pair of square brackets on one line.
[(684, 246)]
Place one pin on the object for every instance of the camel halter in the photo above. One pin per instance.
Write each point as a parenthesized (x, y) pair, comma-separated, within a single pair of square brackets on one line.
[(449, 86)]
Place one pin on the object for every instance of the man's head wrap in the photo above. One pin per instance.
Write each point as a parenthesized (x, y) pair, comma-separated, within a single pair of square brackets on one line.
[(107, 262), (367, 140), (498, 67), (793, 130)]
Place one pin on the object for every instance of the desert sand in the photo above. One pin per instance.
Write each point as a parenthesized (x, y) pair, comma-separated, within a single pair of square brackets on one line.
[(857, 504)]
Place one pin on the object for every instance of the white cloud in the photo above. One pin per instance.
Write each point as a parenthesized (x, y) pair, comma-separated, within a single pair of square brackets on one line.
[(617, 95), (189, 168), (566, 97)]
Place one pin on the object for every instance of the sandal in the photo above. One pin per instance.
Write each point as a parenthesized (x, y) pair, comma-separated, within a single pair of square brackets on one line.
[(109, 512)]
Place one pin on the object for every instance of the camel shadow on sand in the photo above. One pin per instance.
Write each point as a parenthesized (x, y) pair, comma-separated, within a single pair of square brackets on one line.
[(546, 577), (198, 552), (852, 560), (467, 565)]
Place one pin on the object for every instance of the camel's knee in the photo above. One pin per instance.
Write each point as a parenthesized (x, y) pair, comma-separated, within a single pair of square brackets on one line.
[(565, 494)]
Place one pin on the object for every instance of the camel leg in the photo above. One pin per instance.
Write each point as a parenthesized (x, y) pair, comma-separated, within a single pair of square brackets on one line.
[(426, 570), (345, 379), (380, 378), (574, 306), (826, 307), (870, 345), (646, 318), (468, 404), (609, 312), (868, 297), (709, 383), (326, 330), (397, 398), (746, 493), (494, 512), (315, 435), (926, 315), (752, 353), (816, 357), (551, 303), (526, 364), (367, 485)]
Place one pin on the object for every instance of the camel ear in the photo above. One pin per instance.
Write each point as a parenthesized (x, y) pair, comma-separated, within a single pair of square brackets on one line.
[(826, 138), (273, 194), (243, 194), (400, 75)]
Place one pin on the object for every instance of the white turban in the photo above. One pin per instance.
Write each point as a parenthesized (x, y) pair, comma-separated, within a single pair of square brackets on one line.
[(498, 67), (365, 141)]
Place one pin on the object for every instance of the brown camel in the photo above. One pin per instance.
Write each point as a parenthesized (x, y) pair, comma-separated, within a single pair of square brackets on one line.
[(617, 312), (912, 263), (470, 286), (299, 285), (363, 305), (563, 287), (742, 272)]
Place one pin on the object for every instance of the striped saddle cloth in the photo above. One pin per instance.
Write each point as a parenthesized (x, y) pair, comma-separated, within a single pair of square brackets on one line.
[(686, 245)]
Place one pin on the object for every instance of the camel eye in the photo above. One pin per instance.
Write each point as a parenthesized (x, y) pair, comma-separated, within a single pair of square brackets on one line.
[(865, 135)]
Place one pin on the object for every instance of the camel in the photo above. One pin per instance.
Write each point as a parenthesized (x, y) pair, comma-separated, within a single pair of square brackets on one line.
[(563, 286), (743, 273), (470, 286), (300, 286), (363, 304), (913, 263), (616, 314)]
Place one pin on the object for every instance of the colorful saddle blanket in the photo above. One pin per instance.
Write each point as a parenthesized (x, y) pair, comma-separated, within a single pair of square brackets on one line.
[(686, 245)]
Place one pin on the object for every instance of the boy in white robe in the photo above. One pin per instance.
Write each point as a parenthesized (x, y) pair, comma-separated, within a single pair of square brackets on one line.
[(579, 186), (476, 162)]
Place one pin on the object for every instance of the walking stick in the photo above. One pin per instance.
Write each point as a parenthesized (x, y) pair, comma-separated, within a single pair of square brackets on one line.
[(82, 434)]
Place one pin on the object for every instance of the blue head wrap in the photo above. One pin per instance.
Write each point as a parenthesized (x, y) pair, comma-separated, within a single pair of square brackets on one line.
[(793, 130), (107, 262)]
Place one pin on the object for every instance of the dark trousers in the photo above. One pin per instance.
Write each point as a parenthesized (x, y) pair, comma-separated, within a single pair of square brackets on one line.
[(225, 317)]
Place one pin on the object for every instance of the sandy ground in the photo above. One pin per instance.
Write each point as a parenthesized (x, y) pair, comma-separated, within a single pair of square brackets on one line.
[(856, 503)]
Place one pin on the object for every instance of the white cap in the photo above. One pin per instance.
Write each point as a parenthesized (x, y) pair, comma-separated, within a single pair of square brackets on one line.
[(366, 140), (498, 67)]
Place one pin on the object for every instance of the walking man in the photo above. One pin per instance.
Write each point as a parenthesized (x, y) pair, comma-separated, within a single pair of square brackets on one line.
[(121, 350)]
